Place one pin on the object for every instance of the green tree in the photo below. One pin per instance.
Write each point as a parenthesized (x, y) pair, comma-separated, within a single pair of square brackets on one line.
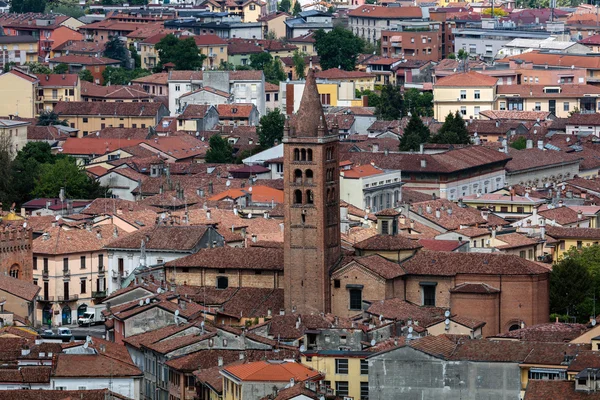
[(25, 169), (27, 6), (415, 134), (299, 64), (453, 131), (297, 8), (571, 284), (220, 150), (86, 75), (270, 128), (418, 102), (270, 35), (116, 50), (259, 61), (47, 118), (137, 59), (122, 76), (373, 98), (65, 173), (338, 48), (37, 68), (70, 10), (285, 6), (61, 68), (451, 56), (183, 53), (274, 72), (6, 186), (9, 65), (520, 143), (390, 103)]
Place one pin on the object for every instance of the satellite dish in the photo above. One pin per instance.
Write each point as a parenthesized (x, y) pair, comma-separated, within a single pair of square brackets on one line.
[(447, 314), (177, 313), (409, 336), (141, 303), (249, 215), (228, 183), (593, 322), (447, 321), (85, 345), (57, 218), (410, 329), (24, 224), (148, 301), (159, 290), (302, 349), (373, 342), (250, 189)]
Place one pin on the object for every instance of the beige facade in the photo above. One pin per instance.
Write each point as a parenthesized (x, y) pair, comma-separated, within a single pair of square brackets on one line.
[(235, 277), (275, 23), (93, 123), (468, 100), (16, 132), (18, 94), (48, 95)]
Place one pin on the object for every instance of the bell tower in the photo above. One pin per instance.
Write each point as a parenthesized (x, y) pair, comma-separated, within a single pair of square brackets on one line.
[(312, 213)]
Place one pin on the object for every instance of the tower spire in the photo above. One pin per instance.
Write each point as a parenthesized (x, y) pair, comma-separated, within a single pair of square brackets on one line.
[(310, 116)]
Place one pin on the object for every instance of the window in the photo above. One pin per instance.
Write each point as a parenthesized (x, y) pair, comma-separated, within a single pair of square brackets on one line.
[(177, 88), (463, 110), (34, 262), (477, 94), (355, 299), (538, 106), (336, 283), (428, 290), (14, 271), (522, 254), (364, 367), (45, 264), (268, 95), (83, 286), (566, 106), (309, 197), (530, 254), (85, 120), (520, 209), (463, 94), (82, 262), (65, 264), (476, 110), (579, 244), (222, 282), (341, 365), (298, 197), (341, 388), (364, 391), (385, 230), (502, 105)]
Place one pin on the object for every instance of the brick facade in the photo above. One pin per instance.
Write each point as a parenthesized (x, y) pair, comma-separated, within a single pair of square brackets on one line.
[(16, 257)]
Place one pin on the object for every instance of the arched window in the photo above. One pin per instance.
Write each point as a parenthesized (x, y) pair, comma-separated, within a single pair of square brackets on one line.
[(296, 154), (298, 176), (388, 200), (297, 197), (309, 176), (222, 282), (514, 327), (14, 271), (303, 155), (309, 197), (332, 195), (309, 155)]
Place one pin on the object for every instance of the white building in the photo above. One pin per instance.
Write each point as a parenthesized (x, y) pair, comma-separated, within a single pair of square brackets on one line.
[(366, 186)]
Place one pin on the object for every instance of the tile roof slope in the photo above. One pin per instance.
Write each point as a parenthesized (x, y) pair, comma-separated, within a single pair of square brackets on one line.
[(491, 350), (564, 390), (57, 80), (154, 336), (266, 371), (20, 288), (549, 332), (562, 215), (84, 60), (28, 394), (584, 360), (440, 245), (96, 365), (575, 233), (449, 264), (388, 242), (130, 92), (401, 310), (466, 79), (514, 240), (437, 346), (479, 288), (233, 258), (61, 241), (210, 358), (460, 216), (181, 238), (102, 206), (253, 302)]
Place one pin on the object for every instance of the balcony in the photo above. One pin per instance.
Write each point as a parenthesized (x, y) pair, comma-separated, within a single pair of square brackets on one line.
[(45, 274), (101, 270), (45, 298), (71, 297), (99, 295)]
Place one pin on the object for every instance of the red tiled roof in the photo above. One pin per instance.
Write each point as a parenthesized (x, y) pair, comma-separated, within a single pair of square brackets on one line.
[(20, 288), (239, 110), (467, 79), (401, 310), (95, 366), (56, 80), (177, 238), (549, 332), (387, 242), (83, 60), (563, 390), (367, 11), (440, 245), (95, 146), (272, 371), (360, 171), (336, 73), (61, 241), (380, 266), (233, 258), (573, 233)]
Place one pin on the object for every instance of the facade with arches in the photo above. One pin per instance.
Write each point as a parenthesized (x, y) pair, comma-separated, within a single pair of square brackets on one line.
[(369, 187), (16, 253)]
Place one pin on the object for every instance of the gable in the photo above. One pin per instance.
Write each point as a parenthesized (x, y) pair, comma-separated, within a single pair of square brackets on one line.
[(353, 266)]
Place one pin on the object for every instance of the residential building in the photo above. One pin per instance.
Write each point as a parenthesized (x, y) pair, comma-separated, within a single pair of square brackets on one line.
[(275, 23), (583, 124), (238, 114), (211, 46), (197, 118), (258, 379), (69, 265), (54, 88), (18, 49), (560, 100), (538, 167), (369, 21), (239, 52), (155, 246), (244, 86), (78, 48), (16, 131), (368, 187), (19, 93), (96, 65), (225, 29), (102, 31), (569, 238), (20, 300), (306, 22), (332, 93), (468, 92), (506, 205), (413, 40), (203, 96), (362, 80), (93, 116), (114, 93), (304, 43), (271, 96), (520, 46), (121, 181), (384, 69), (155, 84)]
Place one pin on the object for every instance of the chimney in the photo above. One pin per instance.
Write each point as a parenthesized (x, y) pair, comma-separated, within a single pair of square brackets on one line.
[(540, 144), (493, 232), (266, 215), (579, 215), (210, 187), (428, 209), (99, 234), (543, 229), (254, 239), (25, 350), (529, 144), (375, 148), (207, 214), (220, 362), (421, 148), (438, 213), (484, 214)]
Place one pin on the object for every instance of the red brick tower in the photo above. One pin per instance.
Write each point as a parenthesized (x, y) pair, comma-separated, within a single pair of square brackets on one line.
[(312, 213)]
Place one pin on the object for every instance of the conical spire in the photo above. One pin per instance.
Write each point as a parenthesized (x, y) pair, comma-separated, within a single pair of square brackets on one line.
[(310, 120)]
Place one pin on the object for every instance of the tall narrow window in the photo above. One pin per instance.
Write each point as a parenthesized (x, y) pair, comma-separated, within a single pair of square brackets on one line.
[(297, 197)]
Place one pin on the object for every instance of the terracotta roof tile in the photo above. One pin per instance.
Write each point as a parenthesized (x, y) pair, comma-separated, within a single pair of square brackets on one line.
[(62, 241), (269, 371), (387, 242), (179, 238), (367, 11), (56, 80), (84, 60), (479, 288), (467, 79), (380, 266), (401, 310), (20, 288), (549, 332), (233, 258), (564, 390), (573, 233), (67, 108), (96, 365)]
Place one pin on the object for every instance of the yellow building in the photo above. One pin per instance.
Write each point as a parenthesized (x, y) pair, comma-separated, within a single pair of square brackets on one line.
[(18, 49), (468, 93), (54, 88), (16, 132), (504, 204), (560, 100), (90, 117), (562, 240), (362, 80), (305, 44), (18, 93), (274, 23), (211, 46), (346, 372), (335, 94)]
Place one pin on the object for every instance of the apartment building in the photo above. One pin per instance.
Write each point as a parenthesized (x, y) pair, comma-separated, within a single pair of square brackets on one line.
[(54, 88), (369, 21), (420, 40), (467, 92)]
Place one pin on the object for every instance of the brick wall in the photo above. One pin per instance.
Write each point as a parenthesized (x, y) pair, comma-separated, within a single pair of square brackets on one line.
[(442, 295), (15, 252)]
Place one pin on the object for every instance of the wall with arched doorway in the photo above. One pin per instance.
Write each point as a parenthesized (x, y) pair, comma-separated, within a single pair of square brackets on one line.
[(15, 253)]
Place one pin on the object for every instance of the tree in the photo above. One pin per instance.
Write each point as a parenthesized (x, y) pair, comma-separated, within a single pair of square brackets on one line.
[(37, 68), (9, 65), (137, 59), (272, 68), (86, 75), (116, 50), (47, 118), (183, 53), (571, 284), (520, 143), (27, 6), (415, 134), (299, 64), (451, 56), (65, 173), (270, 128), (453, 131), (66, 9), (259, 61), (122, 76), (6, 187), (373, 98), (61, 68), (338, 48), (285, 6), (271, 35), (297, 8), (418, 102), (390, 104), (498, 12), (25, 169), (220, 150)]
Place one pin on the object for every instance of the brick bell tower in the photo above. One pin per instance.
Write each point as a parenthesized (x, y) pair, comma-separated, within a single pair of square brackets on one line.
[(312, 214)]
